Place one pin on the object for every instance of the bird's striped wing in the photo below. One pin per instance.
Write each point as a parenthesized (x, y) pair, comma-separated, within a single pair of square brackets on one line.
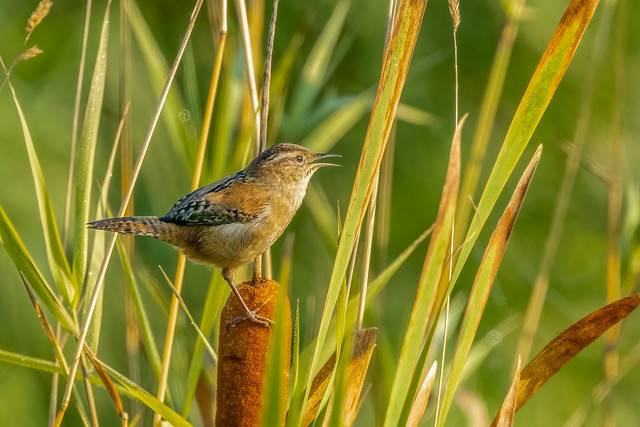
[(231, 201)]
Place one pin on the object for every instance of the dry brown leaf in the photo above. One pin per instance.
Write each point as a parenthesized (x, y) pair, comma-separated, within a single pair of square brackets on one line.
[(422, 398), (569, 343), (318, 387), (364, 340)]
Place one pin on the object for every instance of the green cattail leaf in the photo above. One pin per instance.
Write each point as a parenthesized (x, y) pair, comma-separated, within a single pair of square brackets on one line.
[(83, 180), (483, 283), (55, 253), (135, 391), (25, 361), (432, 270), (23, 261), (542, 86)]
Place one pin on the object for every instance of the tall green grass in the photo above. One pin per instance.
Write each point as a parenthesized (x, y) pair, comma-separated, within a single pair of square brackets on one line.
[(408, 380)]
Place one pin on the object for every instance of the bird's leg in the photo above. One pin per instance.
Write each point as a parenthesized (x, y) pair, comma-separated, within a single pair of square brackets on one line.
[(227, 274)]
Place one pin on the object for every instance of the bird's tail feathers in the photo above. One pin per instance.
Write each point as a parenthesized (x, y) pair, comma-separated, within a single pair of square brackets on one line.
[(136, 225)]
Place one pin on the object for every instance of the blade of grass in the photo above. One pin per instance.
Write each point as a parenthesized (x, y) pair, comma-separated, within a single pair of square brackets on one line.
[(58, 264), (397, 59), (315, 69), (422, 398), (486, 117), (569, 343), (57, 349), (375, 287), (97, 253), (214, 301), (141, 313), (249, 71), (76, 121), (123, 207), (22, 259), (483, 283), (128, 387), (136, 392), (541, 284), (30, 362), (83, 169), (364, 341), (182, 259), (543, 84), (202, 337), (431, 272)]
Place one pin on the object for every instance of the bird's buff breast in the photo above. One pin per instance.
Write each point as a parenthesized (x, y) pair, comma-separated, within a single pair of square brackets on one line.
[(229, 245)]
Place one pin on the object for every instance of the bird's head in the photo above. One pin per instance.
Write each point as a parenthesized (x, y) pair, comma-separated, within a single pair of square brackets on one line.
[(289, 164)]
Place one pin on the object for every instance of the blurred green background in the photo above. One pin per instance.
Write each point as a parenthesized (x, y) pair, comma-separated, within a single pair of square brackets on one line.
[(46, 86)]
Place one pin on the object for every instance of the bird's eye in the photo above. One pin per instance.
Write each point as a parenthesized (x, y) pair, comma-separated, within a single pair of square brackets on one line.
[(299, 159)]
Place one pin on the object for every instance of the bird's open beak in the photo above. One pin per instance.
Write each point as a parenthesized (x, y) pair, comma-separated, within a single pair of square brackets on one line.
[(323, 156)]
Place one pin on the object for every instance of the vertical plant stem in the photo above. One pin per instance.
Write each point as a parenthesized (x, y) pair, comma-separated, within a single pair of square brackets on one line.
[(126, 162), (611, 355), (195, 183), (366, 255), (454, 11), (253, 96), (251, 74), (125, 202), (371, 210), (266, 79)]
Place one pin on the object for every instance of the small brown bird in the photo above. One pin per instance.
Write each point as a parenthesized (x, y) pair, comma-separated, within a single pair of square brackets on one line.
[(230, 222)]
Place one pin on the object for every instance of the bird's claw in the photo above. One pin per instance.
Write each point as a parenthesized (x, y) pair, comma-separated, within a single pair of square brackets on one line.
[(251, 315)]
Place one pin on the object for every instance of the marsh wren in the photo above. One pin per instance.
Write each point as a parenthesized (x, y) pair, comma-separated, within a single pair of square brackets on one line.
[(230, 222)]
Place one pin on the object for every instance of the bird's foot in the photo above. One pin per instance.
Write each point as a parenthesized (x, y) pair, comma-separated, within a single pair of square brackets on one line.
[(251, 315)]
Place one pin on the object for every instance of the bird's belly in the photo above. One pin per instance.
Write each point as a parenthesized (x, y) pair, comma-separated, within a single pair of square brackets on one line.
[(229, 245)]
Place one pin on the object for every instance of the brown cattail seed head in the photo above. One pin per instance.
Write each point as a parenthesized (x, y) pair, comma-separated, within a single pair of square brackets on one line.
[(242, 355), (38, 15)]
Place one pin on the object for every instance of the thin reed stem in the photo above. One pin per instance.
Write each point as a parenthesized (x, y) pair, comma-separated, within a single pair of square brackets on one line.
[(125, 202), (195, 183)]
